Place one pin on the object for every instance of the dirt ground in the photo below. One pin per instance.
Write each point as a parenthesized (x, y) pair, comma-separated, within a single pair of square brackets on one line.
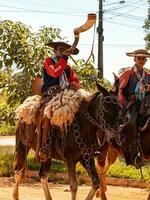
[(33, 191)]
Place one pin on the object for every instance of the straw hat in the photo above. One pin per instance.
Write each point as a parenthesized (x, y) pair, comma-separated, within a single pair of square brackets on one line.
[(139, 53), (65, 45)]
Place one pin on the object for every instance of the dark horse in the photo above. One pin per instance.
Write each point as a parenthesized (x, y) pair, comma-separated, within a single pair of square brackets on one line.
[(140, 140), (93, 123), (104, 161)]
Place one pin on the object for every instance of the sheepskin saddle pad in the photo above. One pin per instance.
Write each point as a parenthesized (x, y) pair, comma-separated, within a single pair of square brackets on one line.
[(26, 112), (61, 109)]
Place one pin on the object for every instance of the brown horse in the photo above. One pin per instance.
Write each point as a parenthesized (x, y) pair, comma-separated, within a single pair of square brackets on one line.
[(93, 123), (139, 139), (104, 161)]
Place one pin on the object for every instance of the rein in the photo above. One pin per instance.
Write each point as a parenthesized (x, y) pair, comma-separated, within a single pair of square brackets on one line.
[(85, 151), (101, 122), (105, 127)]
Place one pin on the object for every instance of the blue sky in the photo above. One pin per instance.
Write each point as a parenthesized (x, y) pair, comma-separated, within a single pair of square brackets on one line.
[(122, 25)]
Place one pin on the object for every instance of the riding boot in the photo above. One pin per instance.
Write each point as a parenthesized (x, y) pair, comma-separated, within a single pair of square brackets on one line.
[(45, 151), (134, 118)]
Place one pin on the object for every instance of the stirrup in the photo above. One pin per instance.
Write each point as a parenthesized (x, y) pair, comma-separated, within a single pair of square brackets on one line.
[(44, 154)]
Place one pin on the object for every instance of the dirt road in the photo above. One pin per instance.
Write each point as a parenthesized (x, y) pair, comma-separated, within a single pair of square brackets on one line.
[(33, 191)]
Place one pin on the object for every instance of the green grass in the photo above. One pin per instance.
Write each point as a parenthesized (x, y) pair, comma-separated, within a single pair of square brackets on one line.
[(119, 169), (58, 168)]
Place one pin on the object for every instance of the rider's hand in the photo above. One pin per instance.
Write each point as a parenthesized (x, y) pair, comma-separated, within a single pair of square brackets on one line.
[(65, 57), (67, 52), (147, 88), (74, 85)]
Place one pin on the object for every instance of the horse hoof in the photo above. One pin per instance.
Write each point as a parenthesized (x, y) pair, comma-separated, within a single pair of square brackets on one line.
[(97, 194)]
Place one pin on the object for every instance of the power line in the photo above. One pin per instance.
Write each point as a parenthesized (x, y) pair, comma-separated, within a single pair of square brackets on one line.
[(43, 12), (126, 5), (123, 24), (39, 10), (122, 15), (126, 16), (109, 4)]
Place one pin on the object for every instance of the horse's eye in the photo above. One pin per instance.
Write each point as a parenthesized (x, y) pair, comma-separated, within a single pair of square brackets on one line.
[(115, 101)]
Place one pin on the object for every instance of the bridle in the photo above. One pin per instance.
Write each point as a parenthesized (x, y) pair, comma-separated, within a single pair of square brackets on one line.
[(101, 124)]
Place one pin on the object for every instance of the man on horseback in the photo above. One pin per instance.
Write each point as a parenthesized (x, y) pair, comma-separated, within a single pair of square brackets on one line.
[(133, 83), (57, 74), (133, 87)]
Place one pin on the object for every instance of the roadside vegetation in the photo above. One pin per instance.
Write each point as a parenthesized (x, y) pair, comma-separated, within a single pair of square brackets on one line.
[(58, 172)]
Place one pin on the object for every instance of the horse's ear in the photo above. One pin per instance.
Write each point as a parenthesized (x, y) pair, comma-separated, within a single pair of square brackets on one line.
[(115, 76), (115, 87), (101, 89)]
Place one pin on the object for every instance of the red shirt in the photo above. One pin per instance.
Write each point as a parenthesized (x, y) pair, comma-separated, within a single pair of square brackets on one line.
[(127, 84), (53, 69)]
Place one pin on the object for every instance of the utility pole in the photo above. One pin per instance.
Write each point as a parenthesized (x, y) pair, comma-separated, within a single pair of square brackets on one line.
[(100, 40), (101, 37)]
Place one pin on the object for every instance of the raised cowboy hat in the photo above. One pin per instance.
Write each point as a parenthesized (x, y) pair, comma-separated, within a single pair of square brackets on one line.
[(139, 53), (67, 46)]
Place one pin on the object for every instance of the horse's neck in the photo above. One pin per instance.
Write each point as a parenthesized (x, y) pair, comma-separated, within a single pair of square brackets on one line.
[(93, 107)]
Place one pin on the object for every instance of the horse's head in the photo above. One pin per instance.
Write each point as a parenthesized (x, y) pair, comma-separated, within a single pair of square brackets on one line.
[(109, 109), (130, 142), (119, 130)]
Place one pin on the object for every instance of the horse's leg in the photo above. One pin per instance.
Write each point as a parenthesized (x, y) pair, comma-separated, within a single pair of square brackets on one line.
[(102, 166), (103, 163), (72, 179), (20, 169), (148, 197), (18, 176), (89, 165), (21, 154), (101, 169), (44, 178)]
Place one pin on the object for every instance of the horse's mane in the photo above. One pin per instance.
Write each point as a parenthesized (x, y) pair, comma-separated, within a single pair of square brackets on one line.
[(91, 99)]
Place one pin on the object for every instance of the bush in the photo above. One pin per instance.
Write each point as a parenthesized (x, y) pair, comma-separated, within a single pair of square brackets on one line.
[(32, 165), (119, 169), (6, 164), (6, 129)]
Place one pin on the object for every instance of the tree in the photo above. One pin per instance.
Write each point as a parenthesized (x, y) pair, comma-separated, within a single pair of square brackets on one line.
[(22, 53), (147, 28), (21, 56)]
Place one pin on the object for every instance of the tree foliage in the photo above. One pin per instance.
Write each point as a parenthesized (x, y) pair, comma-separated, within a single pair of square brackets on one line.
[(22, 53), (21, 56), (87, 74)]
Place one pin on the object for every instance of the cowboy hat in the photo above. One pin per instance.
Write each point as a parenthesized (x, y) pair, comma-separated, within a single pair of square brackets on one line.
[(138, 53), (65, 45)]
